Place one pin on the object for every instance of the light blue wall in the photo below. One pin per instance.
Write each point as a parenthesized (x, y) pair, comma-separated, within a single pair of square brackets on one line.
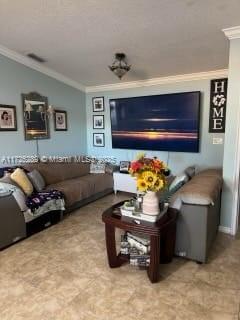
[(209, 156), (16, 79)]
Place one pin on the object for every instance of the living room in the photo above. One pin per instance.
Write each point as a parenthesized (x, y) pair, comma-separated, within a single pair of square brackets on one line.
[(64, 265)]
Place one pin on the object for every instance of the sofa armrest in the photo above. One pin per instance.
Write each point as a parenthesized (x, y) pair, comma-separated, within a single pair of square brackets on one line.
[(110, 168), (5, 193), (12, 222)]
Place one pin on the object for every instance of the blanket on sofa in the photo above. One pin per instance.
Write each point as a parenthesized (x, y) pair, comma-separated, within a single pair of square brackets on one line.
[(40, 199)]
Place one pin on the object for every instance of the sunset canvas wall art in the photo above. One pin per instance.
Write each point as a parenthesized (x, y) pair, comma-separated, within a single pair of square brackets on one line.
[(168, 122)]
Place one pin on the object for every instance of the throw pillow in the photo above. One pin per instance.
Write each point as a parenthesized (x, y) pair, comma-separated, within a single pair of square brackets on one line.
[(190, 171), (166, 194), (97, 168), (20, 177), (182, 177), (37, 180)]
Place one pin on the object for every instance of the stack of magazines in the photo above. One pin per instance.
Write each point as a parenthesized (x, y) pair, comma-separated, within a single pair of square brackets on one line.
[(137, 248), (131, 212)]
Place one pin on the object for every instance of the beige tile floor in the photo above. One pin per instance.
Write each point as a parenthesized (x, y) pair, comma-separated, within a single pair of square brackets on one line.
[(62, 273)]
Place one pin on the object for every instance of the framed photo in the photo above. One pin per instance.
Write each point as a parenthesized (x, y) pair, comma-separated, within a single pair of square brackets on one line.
[(8, 118), (98, 122), (60, 120), (35, 116), (98, 104), (124, 166), (98, 140)]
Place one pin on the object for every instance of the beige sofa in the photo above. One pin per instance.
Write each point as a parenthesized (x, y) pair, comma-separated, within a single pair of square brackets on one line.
[(75, 181), (198, 202)]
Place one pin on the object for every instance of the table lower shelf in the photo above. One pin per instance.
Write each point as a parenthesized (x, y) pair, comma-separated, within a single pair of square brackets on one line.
[(162, 239)]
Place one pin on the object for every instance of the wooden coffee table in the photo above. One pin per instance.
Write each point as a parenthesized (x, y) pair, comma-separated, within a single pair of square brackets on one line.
[(162, 238)]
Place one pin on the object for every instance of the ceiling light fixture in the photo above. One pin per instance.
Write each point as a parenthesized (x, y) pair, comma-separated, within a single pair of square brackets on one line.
[(120, 66)]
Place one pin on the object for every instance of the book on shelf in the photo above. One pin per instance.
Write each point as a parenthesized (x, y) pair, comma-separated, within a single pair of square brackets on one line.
[(136, 248), (139, 259), (124, 246), (141, 244)]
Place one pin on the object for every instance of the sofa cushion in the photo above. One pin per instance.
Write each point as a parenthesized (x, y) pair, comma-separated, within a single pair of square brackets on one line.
[(75, 170), (210, 173), (57, 172), (80, 188), (100, 181), (201, 190), (73, 189), (51, 172)]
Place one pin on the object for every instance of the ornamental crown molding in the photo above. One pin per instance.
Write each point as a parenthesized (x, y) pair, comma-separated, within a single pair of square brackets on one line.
[(232, 33), (158, 81), (20, 58), (13, 55)]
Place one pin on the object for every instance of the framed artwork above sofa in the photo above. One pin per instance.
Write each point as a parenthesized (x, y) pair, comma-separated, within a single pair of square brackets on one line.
[(60, 120), (8, 118), (36, 124)]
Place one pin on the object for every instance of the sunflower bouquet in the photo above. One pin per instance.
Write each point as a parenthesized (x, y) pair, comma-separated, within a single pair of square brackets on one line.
[(150, 173)]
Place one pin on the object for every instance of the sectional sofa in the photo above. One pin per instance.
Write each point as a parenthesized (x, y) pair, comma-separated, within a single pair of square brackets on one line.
[(78, 185), (198, 202)]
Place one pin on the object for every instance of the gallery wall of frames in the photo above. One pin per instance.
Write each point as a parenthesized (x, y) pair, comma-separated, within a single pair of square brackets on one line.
[(98, 108), (36, 116)]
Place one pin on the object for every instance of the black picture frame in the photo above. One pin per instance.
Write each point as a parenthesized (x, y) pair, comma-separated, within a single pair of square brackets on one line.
[(36, 123), (98, 104), (98, 139), (60, 126), (98, 121), (124, 166), (8, 118)]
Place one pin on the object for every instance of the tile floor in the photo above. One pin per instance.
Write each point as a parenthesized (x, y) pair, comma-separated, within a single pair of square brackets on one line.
[(62, 273)]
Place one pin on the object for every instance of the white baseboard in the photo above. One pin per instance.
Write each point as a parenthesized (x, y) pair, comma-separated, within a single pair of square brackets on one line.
[(224, 229)]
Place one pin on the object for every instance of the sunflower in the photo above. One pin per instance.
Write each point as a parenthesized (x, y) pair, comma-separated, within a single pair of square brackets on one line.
[(141, 185), (159, 184), (149, 177)]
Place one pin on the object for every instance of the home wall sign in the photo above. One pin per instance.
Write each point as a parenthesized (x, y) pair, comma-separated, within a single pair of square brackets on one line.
[(218, 102)]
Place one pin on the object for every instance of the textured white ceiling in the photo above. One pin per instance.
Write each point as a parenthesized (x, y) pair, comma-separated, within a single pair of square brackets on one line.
[(160, 37)]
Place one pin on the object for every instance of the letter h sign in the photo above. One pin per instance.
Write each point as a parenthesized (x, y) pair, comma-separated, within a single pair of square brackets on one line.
[(218, 102)]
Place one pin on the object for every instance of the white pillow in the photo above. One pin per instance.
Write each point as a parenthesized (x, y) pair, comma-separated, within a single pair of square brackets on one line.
[(18, 194), (182, 177), (97, 168)]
